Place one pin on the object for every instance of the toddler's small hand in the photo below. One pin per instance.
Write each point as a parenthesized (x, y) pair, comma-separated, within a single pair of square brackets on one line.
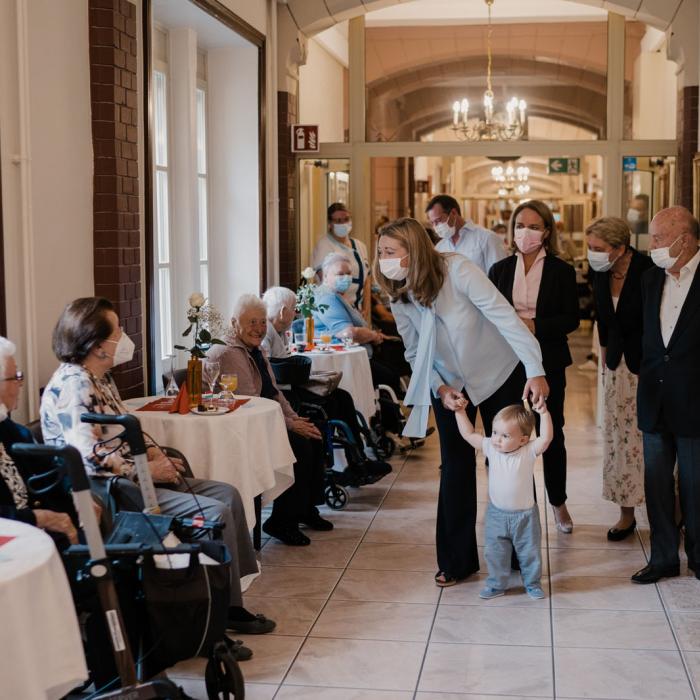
[(540, 409)]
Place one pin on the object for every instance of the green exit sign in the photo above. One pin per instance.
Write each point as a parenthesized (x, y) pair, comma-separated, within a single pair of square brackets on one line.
[(564, 166)]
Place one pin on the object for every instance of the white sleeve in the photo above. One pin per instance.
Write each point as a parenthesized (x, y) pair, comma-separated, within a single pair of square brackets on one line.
[(486, 448), (477, 287)]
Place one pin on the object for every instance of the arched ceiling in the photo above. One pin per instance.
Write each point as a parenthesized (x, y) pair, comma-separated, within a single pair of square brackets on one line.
[(313, 16)]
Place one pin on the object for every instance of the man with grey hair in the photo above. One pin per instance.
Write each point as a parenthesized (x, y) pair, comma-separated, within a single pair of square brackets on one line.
[(667, 394), (281, 307)]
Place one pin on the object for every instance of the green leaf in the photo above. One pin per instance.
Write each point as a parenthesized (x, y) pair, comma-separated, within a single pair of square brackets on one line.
[(204, 336), (197, 352), (187, 332), (180, 347), (216, 341)]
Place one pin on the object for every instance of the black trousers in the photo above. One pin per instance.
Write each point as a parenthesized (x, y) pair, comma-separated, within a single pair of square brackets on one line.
[(554, 458), (301, 498), (383, 373), (455, 536)]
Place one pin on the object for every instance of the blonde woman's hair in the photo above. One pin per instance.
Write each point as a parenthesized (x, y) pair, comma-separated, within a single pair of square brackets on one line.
[(551, 243), (517, 412), (427, 268), (611, 229)]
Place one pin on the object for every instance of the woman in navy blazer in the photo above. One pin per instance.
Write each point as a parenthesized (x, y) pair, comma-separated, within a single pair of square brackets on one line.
[(617, 289), (542, 288)]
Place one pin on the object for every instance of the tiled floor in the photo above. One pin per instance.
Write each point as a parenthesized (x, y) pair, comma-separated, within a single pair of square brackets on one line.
[(359, 617)]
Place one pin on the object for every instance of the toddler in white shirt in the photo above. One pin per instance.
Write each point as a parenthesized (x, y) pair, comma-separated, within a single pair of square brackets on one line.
[(512, 516)]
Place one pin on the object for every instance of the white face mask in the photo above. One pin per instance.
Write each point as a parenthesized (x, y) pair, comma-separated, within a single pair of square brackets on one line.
[(444, 230), (662, 258), (342, 230), (392, 270), (124, 352), (633, 215), (600, 260)]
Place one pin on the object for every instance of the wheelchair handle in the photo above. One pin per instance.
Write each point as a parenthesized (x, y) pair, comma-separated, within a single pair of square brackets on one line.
[(70, 457), (131, 425)]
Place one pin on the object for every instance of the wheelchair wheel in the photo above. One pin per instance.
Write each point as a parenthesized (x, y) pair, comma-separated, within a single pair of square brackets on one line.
[(385, 447), (223, 677), (336, 497)]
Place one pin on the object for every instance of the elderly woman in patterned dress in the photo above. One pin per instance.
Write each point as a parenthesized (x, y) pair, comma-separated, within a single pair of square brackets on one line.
[(617, 287)]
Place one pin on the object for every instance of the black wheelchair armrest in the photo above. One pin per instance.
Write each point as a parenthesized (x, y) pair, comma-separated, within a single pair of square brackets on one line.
[(312, 410), (176, 454)]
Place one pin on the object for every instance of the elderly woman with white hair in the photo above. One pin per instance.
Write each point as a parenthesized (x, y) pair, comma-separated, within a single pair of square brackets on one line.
[(242, 354), (281, 304), (55, 515)]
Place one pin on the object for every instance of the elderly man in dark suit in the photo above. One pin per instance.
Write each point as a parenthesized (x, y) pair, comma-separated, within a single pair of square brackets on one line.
[(667, 396)]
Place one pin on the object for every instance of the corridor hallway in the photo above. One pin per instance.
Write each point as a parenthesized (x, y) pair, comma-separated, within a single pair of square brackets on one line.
[(360, 618)]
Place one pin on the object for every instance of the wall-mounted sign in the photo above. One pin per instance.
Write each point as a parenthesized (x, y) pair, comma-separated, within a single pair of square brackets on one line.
[(629, 164), (564, 166), (304, 138)]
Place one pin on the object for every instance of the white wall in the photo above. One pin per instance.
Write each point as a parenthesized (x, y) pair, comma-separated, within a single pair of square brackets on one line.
[(654, 97), (47, 193), (234, 215), (321, 93)]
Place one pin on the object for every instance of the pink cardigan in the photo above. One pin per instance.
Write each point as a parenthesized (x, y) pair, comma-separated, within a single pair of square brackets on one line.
[(235, 358)]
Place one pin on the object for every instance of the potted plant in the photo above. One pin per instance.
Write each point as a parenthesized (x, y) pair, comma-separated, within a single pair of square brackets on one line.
[(205, 322), (306, 304)]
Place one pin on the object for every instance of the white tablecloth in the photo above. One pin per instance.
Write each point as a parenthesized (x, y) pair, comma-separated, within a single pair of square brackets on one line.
[(41, 654), (248, 448), (357, 375)]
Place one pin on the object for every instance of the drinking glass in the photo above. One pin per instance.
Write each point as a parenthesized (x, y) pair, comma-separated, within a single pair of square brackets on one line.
[(230, 383), (326, 340), (210, 373), (172, 388)]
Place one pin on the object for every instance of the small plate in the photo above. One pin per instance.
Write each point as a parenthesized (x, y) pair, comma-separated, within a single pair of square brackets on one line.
[(218, 411)]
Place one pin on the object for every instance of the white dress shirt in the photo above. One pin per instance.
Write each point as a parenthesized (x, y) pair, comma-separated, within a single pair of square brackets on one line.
[(673, 296), (479, 337), (483, 247)]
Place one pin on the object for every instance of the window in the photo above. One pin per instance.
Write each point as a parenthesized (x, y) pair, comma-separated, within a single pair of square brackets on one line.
[(203, 223), (162, 215)]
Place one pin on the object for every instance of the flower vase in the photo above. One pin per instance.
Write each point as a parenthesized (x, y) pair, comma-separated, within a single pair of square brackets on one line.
[(309, 328), (194, 381)]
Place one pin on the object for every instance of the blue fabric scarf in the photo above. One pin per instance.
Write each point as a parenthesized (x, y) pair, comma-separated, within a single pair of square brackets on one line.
[(418, 394)]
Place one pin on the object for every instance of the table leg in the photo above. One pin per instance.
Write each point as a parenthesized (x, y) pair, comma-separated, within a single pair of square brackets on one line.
[(257, 528)]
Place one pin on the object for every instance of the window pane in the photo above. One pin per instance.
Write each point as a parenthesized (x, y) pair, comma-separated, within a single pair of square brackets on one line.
[(203, 223), (165, 312), (201, 132), (204, 278), (160, 119), (162, 217)]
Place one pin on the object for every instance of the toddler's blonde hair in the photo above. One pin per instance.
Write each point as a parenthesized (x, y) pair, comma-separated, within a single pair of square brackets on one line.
[(517, 412)]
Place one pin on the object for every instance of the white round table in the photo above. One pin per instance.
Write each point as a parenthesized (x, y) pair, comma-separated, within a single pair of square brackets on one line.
[(357, 375), (41, 653), (248, 448)]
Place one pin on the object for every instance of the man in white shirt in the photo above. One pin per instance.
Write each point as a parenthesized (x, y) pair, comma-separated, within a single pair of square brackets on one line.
[(482, 247), (669, 391)]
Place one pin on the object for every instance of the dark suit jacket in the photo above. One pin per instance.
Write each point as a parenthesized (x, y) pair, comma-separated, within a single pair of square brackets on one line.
[(669, 377), (620, 331), (556, 313)]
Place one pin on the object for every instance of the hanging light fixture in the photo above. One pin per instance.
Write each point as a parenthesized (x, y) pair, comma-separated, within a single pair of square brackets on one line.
[(508, 126)]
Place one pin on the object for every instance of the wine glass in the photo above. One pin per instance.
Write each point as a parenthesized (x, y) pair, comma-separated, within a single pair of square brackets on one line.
[(326, 340), (172, 389), (210, 373), (229, 381)]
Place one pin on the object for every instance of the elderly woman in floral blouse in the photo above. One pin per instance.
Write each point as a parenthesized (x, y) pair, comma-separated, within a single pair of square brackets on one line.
[(88, 341)]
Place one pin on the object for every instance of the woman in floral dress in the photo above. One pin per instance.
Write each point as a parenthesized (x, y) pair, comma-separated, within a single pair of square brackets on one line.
[(618, 297)]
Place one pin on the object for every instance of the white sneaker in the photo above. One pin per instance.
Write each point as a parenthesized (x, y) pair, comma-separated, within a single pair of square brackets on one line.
[(589, 366), (488, 593), (535, 592)]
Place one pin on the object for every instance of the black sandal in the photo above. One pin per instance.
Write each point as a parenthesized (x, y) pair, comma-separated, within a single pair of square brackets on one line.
[(444, 580)]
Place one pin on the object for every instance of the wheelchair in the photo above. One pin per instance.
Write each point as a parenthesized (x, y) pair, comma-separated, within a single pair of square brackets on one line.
[(129, 596)]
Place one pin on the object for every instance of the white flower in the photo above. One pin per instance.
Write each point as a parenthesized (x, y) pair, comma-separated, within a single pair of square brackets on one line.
[(196, 300), (308, 273)]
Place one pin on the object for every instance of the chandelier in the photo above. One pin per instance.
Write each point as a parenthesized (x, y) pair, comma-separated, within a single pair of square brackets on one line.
[(495, 126), (510, 179)]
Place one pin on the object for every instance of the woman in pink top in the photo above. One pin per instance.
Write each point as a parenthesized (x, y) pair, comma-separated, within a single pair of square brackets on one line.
[(542, 288)]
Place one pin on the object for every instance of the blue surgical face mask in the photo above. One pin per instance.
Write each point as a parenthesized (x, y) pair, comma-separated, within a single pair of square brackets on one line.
[(342, 283)]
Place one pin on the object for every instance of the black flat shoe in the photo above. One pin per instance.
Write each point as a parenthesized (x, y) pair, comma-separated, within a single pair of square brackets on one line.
[(616, 535), (287, 534), (258, 625), (651, 574), (237, 650), (316, 522)]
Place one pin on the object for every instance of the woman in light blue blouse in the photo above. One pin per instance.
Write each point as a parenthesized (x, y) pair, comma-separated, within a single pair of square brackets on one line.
[(465, 343)]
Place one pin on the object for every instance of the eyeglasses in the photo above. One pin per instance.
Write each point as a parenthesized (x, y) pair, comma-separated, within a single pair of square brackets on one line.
[(19, 377)]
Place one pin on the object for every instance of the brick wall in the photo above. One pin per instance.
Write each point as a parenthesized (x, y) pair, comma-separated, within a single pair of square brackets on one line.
[(687, 144), (117, 265), (289, 239)]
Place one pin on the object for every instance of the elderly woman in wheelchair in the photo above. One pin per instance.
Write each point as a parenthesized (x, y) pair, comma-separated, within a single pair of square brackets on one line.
[(89, 341), (242, 355)]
